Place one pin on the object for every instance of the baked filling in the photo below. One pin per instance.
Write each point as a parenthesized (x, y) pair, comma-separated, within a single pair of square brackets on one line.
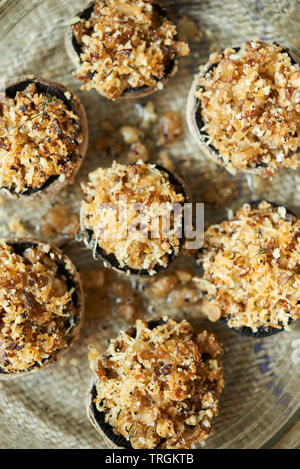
[(37, 311), (159, 387), (250, 106), (251, 268), (125, 45), (134, 233), (39, 139)]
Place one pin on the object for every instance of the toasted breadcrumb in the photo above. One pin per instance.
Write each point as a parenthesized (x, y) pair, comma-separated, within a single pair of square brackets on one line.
[(39, 138), (107, 294), (36, 308), (138, 151), (176, 288), (143, 184), (250, 107), (171, 128), (125, 45), (251, 268), (159, 386)]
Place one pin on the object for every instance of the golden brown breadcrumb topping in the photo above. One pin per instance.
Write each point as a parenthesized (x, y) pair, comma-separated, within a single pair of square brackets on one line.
[(119, 187), (59, 224), (36, 307), (159, 387), (251, 268), (126, 45), (218, 188), (250, 105), (171, 128), (39, 138)]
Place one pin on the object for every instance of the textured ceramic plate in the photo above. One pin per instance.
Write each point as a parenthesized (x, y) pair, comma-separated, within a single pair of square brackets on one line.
[(262, 391)]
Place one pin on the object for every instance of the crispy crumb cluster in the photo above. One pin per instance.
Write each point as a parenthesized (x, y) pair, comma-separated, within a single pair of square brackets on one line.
[(159, 386), (36, 307), (125, 45), (39, 138), (120, 226), (250, 105), (251, 268)]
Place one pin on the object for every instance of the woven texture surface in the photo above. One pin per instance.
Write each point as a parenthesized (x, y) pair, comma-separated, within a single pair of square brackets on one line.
[(262, 383)]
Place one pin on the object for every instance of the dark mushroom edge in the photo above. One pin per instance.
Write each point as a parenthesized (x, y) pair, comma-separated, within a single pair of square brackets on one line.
[(247, 331), (73, 322), (111, 260)]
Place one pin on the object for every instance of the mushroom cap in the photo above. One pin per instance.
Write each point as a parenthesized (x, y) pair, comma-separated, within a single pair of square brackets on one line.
[(74, 276), (53, 185), (111, 261), (97, 418), (73, 51), (245, 330), (195, 122)]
